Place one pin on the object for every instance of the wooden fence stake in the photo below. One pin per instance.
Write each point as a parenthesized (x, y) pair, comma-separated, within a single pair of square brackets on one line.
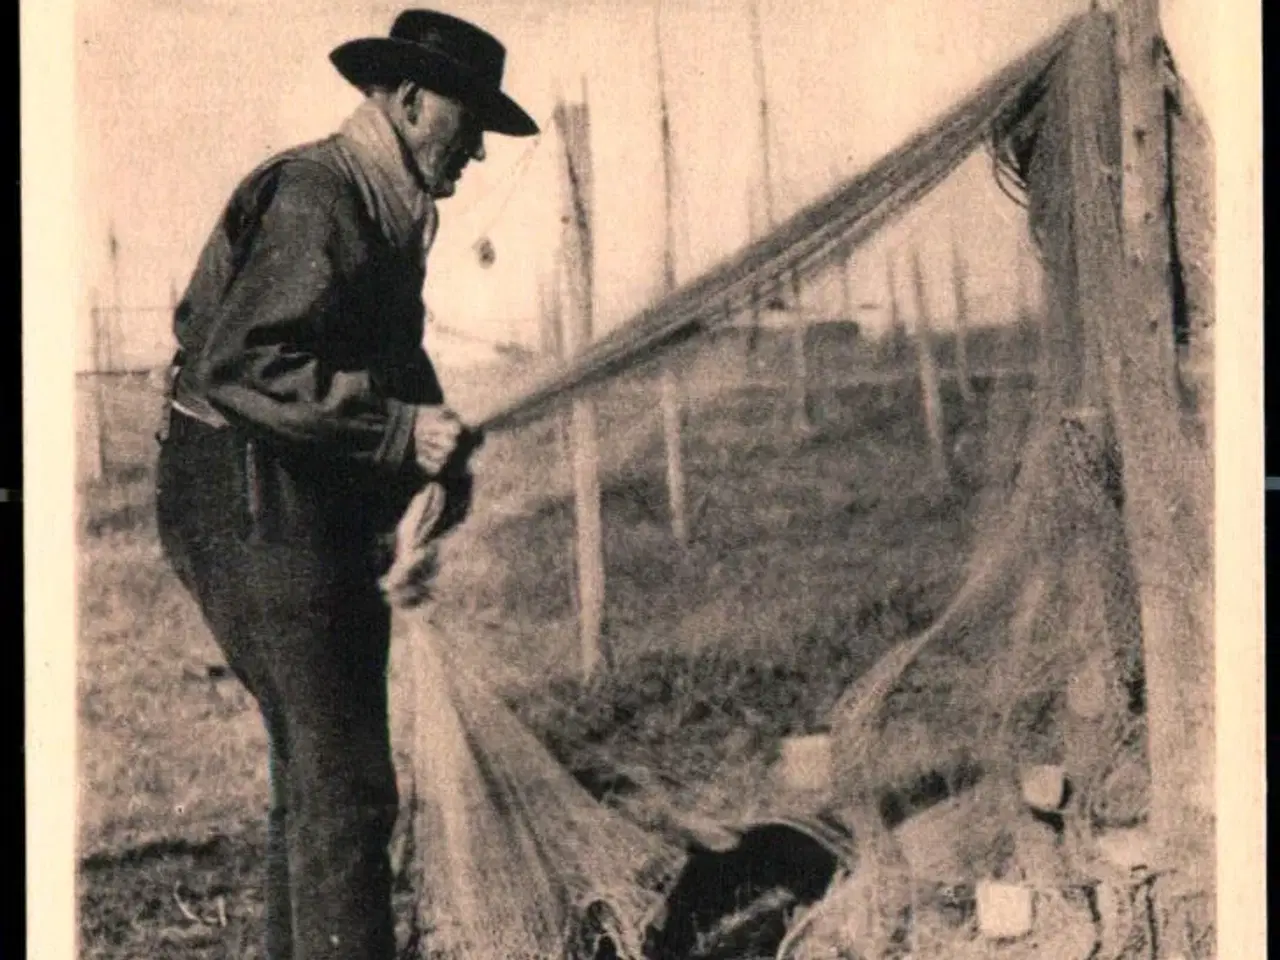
[(96, 410), (959, 282), (671, 416), (801, 422), (752, 339), (846, 288), (669, 387), (932, 399), (896, 340), (573, 124)]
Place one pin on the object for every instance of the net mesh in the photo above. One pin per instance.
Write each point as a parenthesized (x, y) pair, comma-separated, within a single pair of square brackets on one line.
[(534, 866), (941, 575)]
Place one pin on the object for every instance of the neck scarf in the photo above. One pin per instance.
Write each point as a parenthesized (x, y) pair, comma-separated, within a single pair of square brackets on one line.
[(405, 211)]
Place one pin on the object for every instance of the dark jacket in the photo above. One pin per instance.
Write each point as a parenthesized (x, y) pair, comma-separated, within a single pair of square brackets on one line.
[(302, 328)]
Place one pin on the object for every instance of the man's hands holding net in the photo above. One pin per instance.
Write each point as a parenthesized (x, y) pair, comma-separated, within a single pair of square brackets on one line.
[(444, 446)]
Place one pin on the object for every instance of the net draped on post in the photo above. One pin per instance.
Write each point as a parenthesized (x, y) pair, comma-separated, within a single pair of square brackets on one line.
[(1039, 658)]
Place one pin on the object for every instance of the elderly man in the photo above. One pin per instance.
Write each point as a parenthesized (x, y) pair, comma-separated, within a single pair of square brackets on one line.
[(304, 416)]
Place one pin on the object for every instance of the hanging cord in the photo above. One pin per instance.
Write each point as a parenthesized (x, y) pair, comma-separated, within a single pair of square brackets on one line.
[(1012, 140), (514, 177), (1008, 181), (1005, 168), (477, 339)]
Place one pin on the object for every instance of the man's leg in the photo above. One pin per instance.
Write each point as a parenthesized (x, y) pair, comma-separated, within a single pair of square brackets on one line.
[(330, 671), (303, 625), (229, 596), (315, 655), (279, 906)]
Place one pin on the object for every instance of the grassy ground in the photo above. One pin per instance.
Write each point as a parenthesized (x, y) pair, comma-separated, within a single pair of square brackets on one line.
[(808, 560)]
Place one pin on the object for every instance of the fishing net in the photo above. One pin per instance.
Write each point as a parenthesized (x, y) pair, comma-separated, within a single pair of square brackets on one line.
[(512, 857), (1038, 661), (942, 671)]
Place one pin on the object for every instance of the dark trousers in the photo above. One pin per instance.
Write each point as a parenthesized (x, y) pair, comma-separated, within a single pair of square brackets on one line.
[(285, 574)]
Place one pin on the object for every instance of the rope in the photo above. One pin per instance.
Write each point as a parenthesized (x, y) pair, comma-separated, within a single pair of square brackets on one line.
[(513, 178), (463, 335), (1004, 171)]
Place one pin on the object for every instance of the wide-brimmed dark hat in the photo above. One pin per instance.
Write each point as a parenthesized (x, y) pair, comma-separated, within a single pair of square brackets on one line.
[(445, 54)]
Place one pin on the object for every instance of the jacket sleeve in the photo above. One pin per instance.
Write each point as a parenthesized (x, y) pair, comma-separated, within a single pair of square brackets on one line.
[(272, 361)]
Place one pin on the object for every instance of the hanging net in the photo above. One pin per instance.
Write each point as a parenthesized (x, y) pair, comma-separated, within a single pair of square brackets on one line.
[(513, 857), (941, 569)]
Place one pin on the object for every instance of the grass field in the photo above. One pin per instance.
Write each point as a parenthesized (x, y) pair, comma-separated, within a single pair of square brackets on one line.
[(808, 560)]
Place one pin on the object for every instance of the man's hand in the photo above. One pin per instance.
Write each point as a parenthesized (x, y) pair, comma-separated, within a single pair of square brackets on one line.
[(435, 435)]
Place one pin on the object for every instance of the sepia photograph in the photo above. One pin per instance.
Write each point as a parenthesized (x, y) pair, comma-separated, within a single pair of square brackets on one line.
[(648, 480)]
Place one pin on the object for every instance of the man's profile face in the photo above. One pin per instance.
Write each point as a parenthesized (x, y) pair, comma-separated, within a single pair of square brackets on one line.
[(442, 135)]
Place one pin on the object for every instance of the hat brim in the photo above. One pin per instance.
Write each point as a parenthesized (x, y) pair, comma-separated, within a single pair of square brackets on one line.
[(375, 60)]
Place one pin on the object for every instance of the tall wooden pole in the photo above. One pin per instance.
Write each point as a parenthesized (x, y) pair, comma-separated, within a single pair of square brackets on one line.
[(959, 284), (850, 309), (759, 221), (573, 124), (97, 393), (801, 422), (799, 378), (932, 399), (753, 331), (896, 339), (765, 134), (115, 314), (1168, 480), (669, 386)]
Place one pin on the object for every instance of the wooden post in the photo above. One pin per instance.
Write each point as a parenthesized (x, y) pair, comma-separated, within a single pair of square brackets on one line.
[(897, 337), (801, 422), (96, 411), (959, 284), (765, 134), (754, 231), (930, 395), (572, 122), (671, 415), (115, 313), (846, 288), (1117, 123), (669, 388), (753, 331)]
